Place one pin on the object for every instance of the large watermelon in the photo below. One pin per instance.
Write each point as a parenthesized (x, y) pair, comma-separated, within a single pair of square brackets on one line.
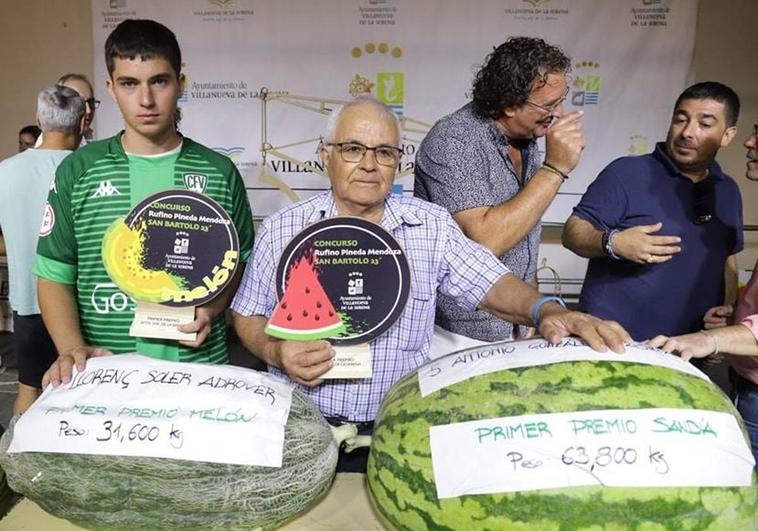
[(109, 492), (400, 471)]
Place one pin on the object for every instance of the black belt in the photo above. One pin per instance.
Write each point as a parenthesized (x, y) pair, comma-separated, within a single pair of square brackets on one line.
[(363, 427)]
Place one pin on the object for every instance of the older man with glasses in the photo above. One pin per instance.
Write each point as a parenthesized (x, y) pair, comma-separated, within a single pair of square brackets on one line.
[(482, 164), (82, 85), (739, 340), (662, 230), (361, 153)]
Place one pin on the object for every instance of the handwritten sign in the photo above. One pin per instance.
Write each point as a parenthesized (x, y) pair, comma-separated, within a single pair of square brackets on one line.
[(460, 366), (134, 405), (616, 448)]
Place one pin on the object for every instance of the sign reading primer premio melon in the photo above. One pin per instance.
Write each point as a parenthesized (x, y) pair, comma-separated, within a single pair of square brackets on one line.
[(341, 278), (132, 405)]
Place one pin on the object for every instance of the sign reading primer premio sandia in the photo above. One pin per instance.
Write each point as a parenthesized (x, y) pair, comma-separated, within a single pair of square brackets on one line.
[(605, 444), (176, 247), (342, 278)]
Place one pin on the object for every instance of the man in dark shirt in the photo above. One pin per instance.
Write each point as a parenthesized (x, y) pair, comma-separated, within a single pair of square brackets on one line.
[(662, 230)]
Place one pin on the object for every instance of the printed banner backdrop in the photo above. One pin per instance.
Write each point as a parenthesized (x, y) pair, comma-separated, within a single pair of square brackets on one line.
[(631, 58)]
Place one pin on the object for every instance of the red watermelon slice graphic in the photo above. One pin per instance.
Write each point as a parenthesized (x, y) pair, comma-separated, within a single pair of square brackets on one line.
[(304, 311)]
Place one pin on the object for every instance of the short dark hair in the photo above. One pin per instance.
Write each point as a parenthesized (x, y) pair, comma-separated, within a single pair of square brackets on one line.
[(30, 130), (508, 75), (713, 90), (146, 39)]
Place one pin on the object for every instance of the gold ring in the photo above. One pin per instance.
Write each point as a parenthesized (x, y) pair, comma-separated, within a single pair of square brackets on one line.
[(649, 259)]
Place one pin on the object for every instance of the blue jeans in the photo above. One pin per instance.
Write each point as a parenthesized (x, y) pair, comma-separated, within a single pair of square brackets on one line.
[(745, 397)]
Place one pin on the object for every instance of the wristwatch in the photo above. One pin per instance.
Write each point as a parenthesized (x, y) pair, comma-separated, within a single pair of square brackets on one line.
[(607, 243)]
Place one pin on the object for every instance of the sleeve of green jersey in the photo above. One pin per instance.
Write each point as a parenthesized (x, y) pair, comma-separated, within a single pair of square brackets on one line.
[(241, 215), (57, 243), (53, 270)]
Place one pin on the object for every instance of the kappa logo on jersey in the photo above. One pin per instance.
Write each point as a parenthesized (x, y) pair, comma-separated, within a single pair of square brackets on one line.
[(106, 188), (52, 186), (196, 182), (48, 221), (107, 298)]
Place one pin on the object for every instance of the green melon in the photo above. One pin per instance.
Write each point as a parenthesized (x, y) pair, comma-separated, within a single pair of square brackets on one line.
[(7, 497), (121, 492), (401, 480)]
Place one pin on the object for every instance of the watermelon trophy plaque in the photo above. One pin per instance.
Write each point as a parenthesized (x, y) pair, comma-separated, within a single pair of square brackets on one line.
[(175, 250), (343, 279)]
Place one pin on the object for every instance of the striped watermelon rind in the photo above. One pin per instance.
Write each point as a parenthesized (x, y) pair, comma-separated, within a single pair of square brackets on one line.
[(401, 480)]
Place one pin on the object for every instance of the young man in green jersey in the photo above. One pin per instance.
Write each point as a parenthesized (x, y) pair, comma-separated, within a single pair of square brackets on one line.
[(84, 311)]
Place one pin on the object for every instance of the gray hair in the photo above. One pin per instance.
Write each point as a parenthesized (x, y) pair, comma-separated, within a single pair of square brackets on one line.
[(60, 109), (330, 134)]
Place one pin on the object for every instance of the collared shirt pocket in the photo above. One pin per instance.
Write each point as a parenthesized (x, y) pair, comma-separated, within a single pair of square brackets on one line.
[(417, 320)]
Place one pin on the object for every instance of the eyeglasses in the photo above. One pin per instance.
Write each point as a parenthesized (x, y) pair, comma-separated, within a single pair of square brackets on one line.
[(355, 151), (550, 108), (93, 103)]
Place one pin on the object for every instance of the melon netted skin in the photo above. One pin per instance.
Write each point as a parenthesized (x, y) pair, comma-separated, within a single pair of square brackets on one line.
[(401, 480), (7, 497), (121, 492)]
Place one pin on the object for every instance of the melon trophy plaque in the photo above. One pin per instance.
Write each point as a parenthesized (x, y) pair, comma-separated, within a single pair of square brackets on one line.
[(175, 250)]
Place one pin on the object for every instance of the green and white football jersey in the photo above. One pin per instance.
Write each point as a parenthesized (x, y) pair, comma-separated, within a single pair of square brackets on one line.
[(99, 183)]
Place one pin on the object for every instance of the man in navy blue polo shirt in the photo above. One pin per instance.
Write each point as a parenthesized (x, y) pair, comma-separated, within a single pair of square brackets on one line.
[(662, 230)]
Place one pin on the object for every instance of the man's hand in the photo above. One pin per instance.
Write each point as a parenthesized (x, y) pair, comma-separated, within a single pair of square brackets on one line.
[(718, 316), (638, 244), (564, 142), (688, 346), (204, 316), (305, 361), (61, 369), (599, 334)]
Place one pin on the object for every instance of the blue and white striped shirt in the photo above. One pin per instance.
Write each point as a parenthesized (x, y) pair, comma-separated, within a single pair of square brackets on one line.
[(441, 258)]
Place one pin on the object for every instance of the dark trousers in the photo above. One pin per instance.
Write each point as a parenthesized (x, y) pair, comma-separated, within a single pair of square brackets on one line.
[(35, 351), (745, 397)]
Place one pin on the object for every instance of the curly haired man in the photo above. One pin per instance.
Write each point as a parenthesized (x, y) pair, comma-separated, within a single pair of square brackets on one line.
[(483, 165)]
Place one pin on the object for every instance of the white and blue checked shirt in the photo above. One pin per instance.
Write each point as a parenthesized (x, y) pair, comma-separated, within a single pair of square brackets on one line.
[(441, 258)]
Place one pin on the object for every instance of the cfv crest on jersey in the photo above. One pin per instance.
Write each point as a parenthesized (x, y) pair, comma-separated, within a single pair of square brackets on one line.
[(196, 182)]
